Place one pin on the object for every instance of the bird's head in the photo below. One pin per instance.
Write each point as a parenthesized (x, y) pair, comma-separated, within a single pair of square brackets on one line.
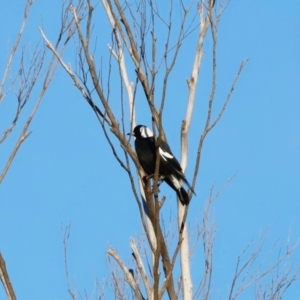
[(141, 132)]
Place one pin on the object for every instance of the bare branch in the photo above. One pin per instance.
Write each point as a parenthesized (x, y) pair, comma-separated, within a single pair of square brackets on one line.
[(128, 276), (66, 236), (4, 277), (24, 134), (14, 48), (192, 84), (132, 49), (209, 126), (141, 269), (249, 272), (228, 96)]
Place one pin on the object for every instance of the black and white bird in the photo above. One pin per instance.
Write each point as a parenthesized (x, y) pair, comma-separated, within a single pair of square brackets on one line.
[(169, 168)]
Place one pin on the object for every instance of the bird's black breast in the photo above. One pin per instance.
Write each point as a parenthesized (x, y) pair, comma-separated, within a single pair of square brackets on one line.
[(145, 150)]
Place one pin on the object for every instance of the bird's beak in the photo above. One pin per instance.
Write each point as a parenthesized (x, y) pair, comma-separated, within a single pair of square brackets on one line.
[(130, 133)]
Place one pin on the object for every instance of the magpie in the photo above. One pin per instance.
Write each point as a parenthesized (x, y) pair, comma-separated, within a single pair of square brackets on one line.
[(170, 170)]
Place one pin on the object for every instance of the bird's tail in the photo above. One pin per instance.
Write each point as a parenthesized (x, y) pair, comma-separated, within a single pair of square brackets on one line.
[(189, 186), (183, 196)]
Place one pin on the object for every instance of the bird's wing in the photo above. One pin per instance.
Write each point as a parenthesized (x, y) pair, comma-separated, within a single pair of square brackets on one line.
[(164, 154), (167, 156), (170, 162)]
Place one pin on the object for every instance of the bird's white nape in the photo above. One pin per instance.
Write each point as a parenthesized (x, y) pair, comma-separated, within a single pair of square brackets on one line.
[(146, 132)]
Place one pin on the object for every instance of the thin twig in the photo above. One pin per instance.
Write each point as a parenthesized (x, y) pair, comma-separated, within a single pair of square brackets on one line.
[(66, 237)]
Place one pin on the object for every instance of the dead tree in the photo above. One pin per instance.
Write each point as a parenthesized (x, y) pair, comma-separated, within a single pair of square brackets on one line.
[(141, 64)]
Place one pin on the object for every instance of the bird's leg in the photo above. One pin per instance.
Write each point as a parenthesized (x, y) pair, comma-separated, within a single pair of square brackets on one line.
[(158, 184), (159, 181), (147, 184), (149, 176)]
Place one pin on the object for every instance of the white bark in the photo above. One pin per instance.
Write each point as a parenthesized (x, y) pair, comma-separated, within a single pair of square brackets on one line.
[(192, 84), (129, 88), (142, 270), (128, 276)]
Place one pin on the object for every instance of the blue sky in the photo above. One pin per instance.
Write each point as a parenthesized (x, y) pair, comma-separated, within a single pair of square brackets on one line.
[(65, 171)]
